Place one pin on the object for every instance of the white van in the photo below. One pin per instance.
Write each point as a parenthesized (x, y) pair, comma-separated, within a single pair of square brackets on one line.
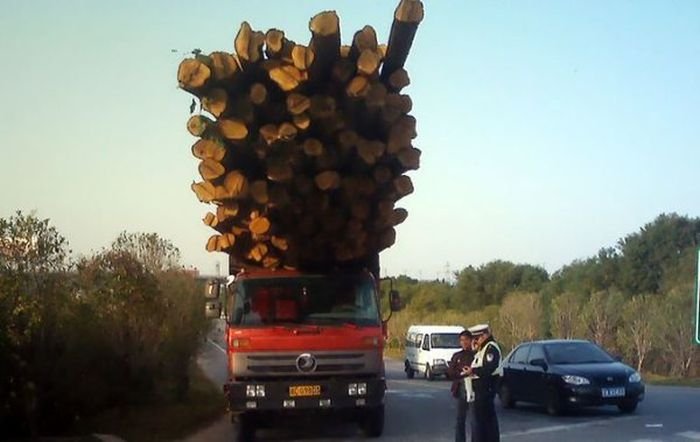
[(429, 348)]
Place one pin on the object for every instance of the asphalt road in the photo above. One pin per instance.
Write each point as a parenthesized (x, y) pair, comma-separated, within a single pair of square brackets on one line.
[(420, 410)]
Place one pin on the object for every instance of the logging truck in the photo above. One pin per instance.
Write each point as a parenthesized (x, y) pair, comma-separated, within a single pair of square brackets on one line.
[(304, 344)]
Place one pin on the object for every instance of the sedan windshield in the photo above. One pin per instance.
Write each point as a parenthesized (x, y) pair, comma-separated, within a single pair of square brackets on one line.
[(576, 353), (444, 340), (311, 300)]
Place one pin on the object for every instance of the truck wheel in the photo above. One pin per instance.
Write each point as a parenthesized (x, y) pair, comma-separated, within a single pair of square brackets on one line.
[(372, 424), (243, 428), (429, 375), (410, 373)]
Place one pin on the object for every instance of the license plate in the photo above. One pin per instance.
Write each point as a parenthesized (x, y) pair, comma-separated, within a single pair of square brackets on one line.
[(304, 390), (613, 392)]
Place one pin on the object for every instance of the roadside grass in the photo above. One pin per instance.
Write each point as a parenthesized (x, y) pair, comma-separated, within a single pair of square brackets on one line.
[(655, 379), (164, 420)]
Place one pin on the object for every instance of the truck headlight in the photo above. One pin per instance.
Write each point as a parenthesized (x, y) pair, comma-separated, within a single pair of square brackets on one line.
[(255, 391), (575, 380), (250, 390), (438, 362), (361, 389), (260, 390), (352, 389), (635, 378)]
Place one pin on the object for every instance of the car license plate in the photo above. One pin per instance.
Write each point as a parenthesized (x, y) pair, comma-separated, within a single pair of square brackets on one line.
[(304, 390), (613, 392)]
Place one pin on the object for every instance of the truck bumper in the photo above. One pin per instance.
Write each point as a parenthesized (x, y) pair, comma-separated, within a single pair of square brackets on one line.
[(295, 396)]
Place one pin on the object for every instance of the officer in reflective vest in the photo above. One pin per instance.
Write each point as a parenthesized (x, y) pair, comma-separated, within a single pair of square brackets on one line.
[(481, 383)]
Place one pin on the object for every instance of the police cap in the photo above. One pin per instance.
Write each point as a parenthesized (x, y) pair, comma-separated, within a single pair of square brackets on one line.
[(480, 329)]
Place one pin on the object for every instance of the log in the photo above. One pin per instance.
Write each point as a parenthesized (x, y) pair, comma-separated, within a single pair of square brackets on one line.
[(312, 147), (387, 238), (409, 158), (297, 103), (259, 225), (279, 170), (322, 106), (398, 80), (278, 196), (205, 191), (287, 131), (403, 186), (376, 96), (364, 39), (258, 94), (215, 102), (227, 211), (249, 44), (361, 209), (302, 121), (327, 180), (343, 71), (210, 169), (209, 149), (401, 134), (302, 57), (358, 87), (279, 243), (325, 44), (233, 129), (408, 14), (270, 262), (193, 74), (347, 139), (370, 151), (224, 66), (225, 241), (210, 220), (287, 77), (258, 252), (398, 216), (269, 133), (277, 47), (258, 191), (368, 62), (344, 51), (382, 175), (199, 125), (235, 184), (212, 243)]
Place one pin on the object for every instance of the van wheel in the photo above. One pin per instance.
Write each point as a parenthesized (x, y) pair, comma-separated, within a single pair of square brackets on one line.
[(410, 373), (429, 375)]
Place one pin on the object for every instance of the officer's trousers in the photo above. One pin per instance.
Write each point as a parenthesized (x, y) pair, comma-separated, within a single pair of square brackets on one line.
[(461, 426), (484, 422)]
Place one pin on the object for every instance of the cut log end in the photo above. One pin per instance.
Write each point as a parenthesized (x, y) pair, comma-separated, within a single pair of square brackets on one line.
[(192, 74)]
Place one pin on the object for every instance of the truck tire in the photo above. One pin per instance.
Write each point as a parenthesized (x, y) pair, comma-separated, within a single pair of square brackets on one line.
[(243, 428), (410, 373), (372, 423)]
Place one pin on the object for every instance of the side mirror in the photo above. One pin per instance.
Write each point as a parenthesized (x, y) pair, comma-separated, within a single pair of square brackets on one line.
[(395, 303), (212, 309), (212, 289), (539, 363)]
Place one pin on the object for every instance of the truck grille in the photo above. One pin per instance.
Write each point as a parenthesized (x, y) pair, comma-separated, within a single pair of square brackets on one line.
[(326, 363)]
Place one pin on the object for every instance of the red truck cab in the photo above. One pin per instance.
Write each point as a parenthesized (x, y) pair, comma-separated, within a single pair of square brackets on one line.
[(302, 344)]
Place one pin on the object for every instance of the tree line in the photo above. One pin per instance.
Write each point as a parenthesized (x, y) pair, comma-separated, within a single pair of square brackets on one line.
[(636, 299), (83, 335)]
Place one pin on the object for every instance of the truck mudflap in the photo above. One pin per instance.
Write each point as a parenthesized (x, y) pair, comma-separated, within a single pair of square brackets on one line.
[(307, 394)]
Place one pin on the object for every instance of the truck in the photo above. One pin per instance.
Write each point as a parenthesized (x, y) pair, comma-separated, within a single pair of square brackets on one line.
[(303, 344)]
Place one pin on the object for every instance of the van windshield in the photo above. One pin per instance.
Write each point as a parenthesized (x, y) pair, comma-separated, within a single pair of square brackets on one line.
[(444, 340), (311, 300)]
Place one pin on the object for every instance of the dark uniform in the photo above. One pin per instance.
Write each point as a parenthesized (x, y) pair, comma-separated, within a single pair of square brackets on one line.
[(459, 361), (484, 422)]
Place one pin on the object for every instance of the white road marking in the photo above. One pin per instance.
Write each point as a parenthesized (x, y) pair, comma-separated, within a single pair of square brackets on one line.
[(223, 350), (654, 425), (555, 428), (692, 435)]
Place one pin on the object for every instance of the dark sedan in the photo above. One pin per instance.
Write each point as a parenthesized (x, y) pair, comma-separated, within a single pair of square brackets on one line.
[(560, 374)]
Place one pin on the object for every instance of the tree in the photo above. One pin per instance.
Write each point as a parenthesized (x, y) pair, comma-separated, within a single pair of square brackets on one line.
[(601, 316), (640, 327), (520, 318), (565, 317), (155, 253), (677, 330)]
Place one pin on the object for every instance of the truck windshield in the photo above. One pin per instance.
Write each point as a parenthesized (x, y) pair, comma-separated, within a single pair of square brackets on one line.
[(444, 340), (312, 300)]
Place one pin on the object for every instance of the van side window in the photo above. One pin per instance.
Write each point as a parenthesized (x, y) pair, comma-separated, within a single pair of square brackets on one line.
[(426, 342)]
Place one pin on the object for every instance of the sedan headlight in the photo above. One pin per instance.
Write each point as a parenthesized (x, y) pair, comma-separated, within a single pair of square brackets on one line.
[(575, 380), (635, 378), (438, 362)]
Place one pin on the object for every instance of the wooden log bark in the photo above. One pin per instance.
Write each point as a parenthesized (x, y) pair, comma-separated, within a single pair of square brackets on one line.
[(235, 184), (407, 16), (223, 65), (249, 45), (215, 102), (325, 44), (364, 39), (398, 80), (205, 191), (302, 57), (409, 158), (199, 125), (209, 149), (210, 169)]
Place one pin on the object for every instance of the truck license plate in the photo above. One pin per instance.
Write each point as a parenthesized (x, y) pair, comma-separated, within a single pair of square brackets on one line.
[(304, 390), (613, 392)]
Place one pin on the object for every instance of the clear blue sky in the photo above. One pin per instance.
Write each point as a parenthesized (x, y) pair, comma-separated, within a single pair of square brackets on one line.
[(549, 129)]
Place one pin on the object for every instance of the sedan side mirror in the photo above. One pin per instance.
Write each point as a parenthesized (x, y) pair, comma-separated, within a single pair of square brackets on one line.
[(539, 363)]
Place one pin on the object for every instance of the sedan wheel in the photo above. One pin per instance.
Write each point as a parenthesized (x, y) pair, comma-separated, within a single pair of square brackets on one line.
[(554, 405), (506, 396)]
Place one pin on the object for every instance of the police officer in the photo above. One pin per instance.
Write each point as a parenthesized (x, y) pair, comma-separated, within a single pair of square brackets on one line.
[(483, 377), (461, 360)]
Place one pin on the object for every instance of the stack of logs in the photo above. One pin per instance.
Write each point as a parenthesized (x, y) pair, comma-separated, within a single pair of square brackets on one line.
[(304, 149)]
